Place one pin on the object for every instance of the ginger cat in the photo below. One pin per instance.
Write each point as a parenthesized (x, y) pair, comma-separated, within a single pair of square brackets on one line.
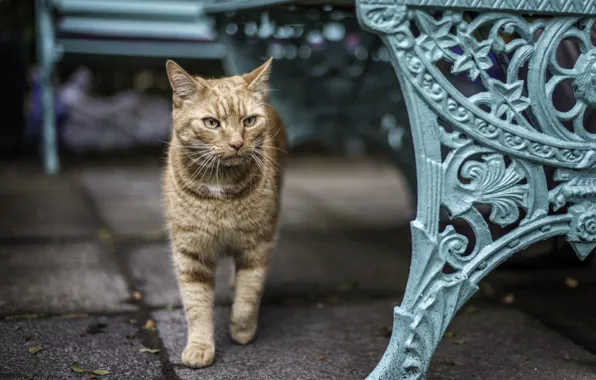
[(222, 188)]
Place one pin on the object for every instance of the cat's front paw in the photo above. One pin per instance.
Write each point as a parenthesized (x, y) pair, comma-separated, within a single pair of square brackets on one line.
[(198, 355), (243, 333)]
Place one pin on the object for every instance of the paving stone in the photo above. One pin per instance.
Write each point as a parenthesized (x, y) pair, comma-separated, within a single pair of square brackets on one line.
[(570, 311), (123, 183), (324, 194), (60, 278), (496, 343), (133, 218), (305, 264), (358, 192), (151, 267), (128, 198), (499, 342), (288, 343), (43, 207), (368, 262), (65, 340), (300, 211)]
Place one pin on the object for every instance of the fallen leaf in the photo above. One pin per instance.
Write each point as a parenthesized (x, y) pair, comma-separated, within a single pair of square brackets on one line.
[(75, 366), (449, 362), (471, 309), (487, 289), (96, 328), (35, 349), (509, 299), (150, 351), (320, 357), (104, 235), (24, 316), (571, 282), (130, 336), (137, 295), (332, 300), (458, 341), (383, 331), (449, 334), (17, 327), (74, 315), (91, 376), (348, 286), (100, 372), (149, 325), (28, 376)]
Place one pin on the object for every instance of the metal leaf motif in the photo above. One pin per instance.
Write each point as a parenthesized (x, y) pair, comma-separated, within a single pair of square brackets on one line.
[(508, 99), (495, 184), (549, 142), (384, 15), (474, 59), (436, 38)]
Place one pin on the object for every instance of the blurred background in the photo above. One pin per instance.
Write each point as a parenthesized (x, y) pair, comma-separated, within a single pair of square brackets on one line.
[(332, 81), (85, 274)]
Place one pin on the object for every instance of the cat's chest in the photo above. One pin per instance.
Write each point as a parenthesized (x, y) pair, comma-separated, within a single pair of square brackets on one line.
[(227, 213)]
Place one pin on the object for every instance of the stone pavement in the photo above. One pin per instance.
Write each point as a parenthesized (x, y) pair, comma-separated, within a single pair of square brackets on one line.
[(85, 277)]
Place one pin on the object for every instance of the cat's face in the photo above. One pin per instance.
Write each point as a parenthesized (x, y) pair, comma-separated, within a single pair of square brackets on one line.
[(220, 119)]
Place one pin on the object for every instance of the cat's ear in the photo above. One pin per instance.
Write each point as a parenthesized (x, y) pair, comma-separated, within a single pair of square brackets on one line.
[(258, 79), (183, 84)]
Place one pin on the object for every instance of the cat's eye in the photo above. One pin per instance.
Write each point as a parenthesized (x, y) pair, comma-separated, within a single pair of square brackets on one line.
[(250, 121), (211, 122)]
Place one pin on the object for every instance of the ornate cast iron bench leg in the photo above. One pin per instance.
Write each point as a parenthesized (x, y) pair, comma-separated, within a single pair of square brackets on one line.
[(490, 148)]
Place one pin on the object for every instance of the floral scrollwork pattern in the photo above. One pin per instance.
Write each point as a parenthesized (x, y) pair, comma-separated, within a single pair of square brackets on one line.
[(582, 235), (483, 152), (491, 182), (506, 125)]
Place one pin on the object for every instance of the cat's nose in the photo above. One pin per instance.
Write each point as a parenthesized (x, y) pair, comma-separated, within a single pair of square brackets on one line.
[(236, 144)]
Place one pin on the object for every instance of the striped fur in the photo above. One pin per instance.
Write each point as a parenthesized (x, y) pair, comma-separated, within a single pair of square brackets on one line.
[(220, 201)]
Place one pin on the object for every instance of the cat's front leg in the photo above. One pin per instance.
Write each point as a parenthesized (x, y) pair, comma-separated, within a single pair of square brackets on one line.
[(196, 278), (251, 270)]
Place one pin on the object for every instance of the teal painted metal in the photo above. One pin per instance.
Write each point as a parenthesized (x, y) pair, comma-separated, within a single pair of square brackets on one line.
[(165, 49), (498, 142), (146, 28), (46, 55), (185, 9)]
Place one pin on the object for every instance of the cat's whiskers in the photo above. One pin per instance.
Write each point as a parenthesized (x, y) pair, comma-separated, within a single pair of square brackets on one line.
[(198, 160), (217, 176), (208, 167), (259, 162), (273, 147), (273, 137), (270, 160)]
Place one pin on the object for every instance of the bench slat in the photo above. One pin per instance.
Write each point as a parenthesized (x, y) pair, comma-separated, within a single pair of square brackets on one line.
[(178, 49), (129, 8), (137, 28)]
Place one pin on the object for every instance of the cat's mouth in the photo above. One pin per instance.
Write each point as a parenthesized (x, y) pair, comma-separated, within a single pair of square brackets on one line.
[(233, 160)]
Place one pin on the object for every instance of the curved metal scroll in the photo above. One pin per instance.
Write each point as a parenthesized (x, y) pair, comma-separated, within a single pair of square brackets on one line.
[(497, 141)]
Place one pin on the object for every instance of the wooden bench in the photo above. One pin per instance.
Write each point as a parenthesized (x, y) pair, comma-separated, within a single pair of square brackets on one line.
[(134, 28)]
